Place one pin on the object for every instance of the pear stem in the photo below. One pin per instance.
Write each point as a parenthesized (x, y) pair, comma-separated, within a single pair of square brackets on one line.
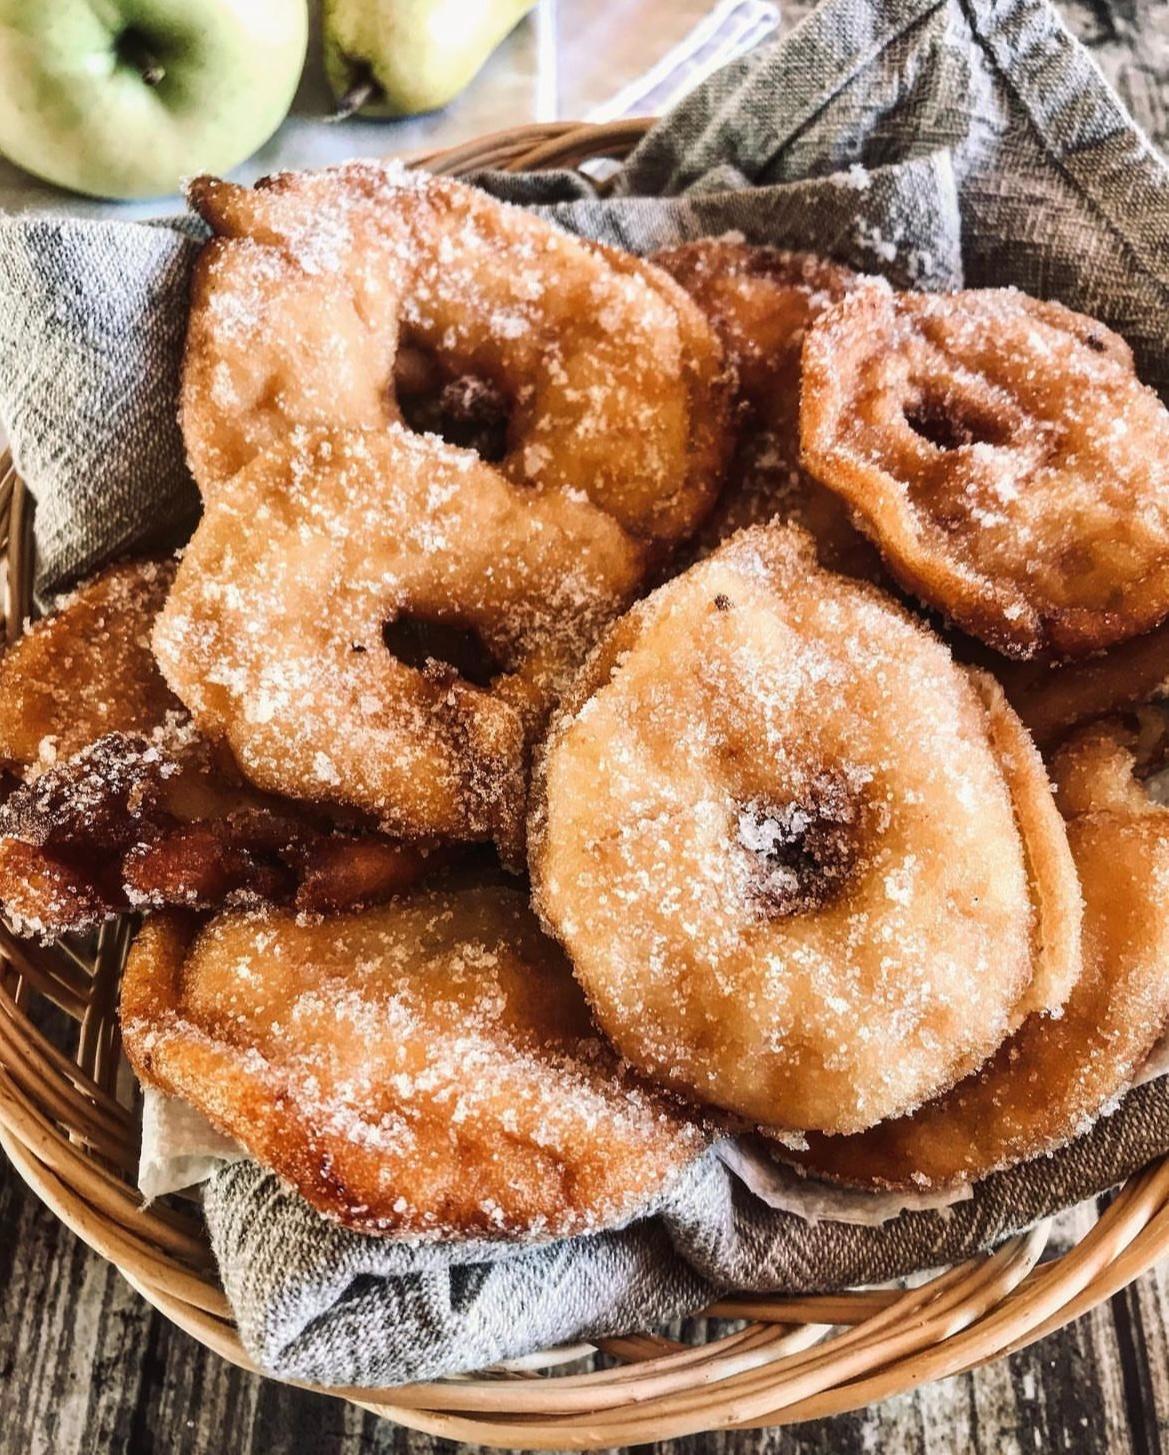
[(135, 51), (362, 90)]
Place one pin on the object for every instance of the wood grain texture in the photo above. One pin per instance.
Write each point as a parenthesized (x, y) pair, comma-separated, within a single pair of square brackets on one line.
[(87, 1368)]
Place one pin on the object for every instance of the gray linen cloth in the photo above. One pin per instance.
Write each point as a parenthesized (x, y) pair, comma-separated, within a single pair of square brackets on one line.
[(934, 141)]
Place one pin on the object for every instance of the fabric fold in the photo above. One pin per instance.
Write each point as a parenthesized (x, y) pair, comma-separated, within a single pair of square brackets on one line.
[(315, 1302)]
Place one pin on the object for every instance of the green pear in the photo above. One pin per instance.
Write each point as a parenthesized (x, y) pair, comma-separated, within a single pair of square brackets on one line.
[(125, 98), (402, 57)]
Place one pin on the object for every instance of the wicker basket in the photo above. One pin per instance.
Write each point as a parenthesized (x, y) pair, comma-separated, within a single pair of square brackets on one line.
[(68, 1125)]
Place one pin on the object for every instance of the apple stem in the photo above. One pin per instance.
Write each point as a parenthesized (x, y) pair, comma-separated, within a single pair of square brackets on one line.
[(135, 52), (363, 89)]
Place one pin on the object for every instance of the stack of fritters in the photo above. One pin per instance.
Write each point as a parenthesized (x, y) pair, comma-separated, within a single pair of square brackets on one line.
[(482, 888)]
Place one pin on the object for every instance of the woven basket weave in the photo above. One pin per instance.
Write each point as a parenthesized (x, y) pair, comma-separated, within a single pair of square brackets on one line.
[(68, 1124)]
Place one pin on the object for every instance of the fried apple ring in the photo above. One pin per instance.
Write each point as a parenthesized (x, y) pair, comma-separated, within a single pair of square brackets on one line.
[(428, 1068), (86, 669), (126, 807), (1003, 455), (807, 869), (760, 301), (138, 823), (322, 290), (1054, 1077), (1053, 697), (302, 626)]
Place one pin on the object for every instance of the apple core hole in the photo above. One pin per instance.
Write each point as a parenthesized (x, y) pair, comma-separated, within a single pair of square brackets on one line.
[(804, 850), (440, 649), (948, 423), (465, 409)]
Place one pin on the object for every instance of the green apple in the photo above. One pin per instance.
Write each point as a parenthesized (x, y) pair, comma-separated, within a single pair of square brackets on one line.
[(401, 57), (124, 98)]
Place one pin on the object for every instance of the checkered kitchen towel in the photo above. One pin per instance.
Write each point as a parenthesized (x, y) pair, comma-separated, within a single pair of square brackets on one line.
[(935, 141)]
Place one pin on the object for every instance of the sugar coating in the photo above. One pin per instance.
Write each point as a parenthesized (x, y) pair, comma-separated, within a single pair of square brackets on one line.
[(85, 670), (425, 1069), (1053, 1078), (1003, 455), (907, 949)]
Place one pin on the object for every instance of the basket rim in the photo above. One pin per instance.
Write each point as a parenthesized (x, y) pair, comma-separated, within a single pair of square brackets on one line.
[(798, 1358)]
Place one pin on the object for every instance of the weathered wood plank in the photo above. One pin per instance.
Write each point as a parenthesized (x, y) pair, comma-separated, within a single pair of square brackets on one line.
[(87, 1368)]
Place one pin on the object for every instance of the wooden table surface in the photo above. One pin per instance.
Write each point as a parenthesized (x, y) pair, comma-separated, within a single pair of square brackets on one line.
[(87, 1366)]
